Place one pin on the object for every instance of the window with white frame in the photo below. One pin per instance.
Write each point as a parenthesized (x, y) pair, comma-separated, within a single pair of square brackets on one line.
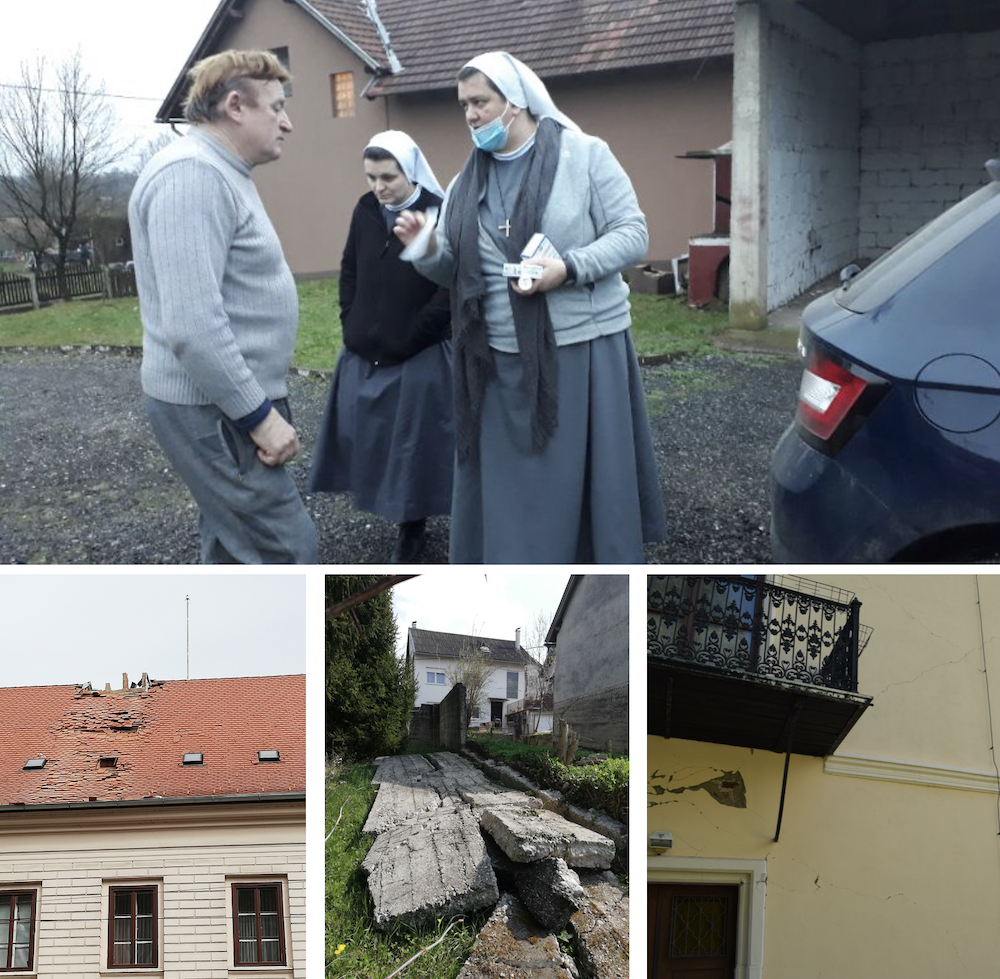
[(512, 684), (433, 677), (258, 924), (17, 930)]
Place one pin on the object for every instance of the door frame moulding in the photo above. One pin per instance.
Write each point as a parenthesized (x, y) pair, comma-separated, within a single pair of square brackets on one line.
[(751, 878)]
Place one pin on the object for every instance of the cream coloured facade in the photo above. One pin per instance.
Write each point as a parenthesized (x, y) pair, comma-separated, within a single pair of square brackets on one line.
[(190, 856), (888, 857)]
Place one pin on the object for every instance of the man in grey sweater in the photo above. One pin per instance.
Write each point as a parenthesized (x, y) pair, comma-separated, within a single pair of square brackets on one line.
[(220, 312)]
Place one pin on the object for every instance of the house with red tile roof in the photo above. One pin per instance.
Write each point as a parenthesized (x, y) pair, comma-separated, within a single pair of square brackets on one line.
[(154, 829), (653, 78)]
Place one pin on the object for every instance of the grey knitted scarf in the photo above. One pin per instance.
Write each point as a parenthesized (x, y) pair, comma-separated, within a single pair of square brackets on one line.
[(473, 363)]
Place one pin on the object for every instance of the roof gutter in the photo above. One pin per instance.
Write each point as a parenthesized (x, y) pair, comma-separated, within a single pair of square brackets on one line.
[(193, 800)]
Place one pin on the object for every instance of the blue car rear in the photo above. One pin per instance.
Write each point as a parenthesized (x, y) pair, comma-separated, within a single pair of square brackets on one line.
[(894, 453)]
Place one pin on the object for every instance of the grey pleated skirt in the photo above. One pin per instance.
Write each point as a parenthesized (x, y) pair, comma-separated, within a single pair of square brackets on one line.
[(387, 436), (592, 496)]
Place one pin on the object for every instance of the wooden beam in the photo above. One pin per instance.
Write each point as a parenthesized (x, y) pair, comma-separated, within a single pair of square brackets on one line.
[(370, 592)]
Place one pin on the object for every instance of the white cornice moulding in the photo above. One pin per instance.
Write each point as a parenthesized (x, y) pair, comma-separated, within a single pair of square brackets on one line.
[(896, 770)]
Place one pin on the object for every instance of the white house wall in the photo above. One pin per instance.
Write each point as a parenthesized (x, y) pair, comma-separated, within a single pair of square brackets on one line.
[(812, 182), (930, 120), (496, 686), (842, 149)]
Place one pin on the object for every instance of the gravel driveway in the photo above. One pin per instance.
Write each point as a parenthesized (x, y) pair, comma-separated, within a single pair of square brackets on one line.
[(83, 482)]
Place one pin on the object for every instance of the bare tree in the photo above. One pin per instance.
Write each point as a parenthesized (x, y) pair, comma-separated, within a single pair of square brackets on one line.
[(474, 669), (153, 146), (54, 145)]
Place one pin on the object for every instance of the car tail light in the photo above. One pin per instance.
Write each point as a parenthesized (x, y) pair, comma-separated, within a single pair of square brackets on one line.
[(827, 395)]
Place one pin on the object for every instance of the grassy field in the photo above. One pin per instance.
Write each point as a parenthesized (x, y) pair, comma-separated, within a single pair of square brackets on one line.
[(662, 326), (354, 949)]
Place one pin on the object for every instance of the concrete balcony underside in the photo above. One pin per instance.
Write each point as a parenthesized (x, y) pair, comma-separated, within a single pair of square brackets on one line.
[(722, 706)]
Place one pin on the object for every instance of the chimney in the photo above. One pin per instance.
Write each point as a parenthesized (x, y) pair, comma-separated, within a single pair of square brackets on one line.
[(145, 681), (414, 625), (124, 681), (517, 639)]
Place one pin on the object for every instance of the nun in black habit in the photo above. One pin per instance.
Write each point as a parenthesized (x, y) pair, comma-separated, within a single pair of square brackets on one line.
[(387, 435)]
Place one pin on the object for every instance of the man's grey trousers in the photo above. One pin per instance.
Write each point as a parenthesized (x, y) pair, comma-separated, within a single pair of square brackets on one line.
[(250, 513)]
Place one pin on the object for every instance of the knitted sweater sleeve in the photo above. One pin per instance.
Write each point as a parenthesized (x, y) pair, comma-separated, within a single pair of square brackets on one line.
[(192, 216), (622, 236)]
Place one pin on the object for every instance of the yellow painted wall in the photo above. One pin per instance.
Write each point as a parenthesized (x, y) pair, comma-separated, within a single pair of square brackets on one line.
[(892, 869)]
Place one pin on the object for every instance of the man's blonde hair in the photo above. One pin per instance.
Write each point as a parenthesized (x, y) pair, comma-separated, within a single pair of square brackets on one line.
[(214, 77)]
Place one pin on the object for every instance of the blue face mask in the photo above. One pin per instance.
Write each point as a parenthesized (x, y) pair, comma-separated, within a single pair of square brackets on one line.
[(492, 136)]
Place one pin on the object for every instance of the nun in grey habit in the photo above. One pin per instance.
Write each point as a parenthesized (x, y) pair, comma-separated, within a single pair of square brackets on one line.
[(555, 462)]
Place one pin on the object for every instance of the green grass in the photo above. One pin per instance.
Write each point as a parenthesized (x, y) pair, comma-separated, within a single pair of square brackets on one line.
[(354, 949), (662, 326), (603, 786), (665, 326)]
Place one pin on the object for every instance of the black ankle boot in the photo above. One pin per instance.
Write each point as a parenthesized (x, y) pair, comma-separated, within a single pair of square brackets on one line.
[(410, 543)]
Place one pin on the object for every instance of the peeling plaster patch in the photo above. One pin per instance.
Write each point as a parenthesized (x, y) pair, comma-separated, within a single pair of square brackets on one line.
[(728, 789)]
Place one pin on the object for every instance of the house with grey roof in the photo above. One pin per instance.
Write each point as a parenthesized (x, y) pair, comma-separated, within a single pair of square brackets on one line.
[(434, 654), (654, 79)]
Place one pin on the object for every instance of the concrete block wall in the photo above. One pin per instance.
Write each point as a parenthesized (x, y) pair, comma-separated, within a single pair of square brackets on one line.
[(424, 726), (440, 725), (811, 104), (929, 121), (194, 916), (591, 679), (451, 724)]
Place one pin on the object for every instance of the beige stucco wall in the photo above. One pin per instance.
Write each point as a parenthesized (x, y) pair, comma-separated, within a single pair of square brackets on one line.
[(888, 861), (648, 118), (193, 855), (311, 191)]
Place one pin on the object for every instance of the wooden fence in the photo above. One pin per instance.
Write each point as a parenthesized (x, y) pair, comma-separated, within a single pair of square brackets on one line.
[(16, 290)]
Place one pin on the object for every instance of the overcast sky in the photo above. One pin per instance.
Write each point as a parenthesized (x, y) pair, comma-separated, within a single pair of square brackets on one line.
[(135, 46), (494, 604), (90, 628)]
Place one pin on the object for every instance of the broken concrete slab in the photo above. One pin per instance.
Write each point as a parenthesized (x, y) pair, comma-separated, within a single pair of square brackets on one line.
[(431, 865), (526, 835), (408, 784), (554, 800), (512, 946), (549, 889), (601, 926)]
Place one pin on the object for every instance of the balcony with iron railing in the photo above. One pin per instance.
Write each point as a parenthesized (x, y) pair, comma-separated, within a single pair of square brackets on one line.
[(762, 662)]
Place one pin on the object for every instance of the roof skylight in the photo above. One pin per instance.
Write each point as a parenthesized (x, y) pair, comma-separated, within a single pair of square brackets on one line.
[(193, 758), (269, 755), (33, 764)]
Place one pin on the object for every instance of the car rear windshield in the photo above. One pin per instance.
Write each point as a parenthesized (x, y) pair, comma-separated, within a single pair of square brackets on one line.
[(902, 264)]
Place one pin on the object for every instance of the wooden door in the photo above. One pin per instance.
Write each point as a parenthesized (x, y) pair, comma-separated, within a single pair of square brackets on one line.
[(692, 931)]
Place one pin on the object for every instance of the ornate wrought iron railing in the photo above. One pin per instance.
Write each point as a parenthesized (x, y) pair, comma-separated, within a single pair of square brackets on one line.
[(757, 626)]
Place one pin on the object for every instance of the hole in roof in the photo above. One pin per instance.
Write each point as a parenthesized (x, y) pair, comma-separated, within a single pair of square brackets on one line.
[(269, 755), (193, 758), (33, 764)]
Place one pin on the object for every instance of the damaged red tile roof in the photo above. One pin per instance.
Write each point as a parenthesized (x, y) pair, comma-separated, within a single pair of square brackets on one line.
[(148, 730)]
